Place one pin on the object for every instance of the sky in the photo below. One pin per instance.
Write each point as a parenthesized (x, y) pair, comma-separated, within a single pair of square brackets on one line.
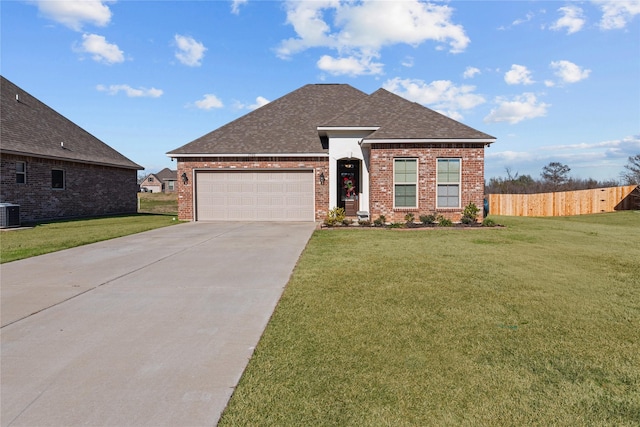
[(552, 81)]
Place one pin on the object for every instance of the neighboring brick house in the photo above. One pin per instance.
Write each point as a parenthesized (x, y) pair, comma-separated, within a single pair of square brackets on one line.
[(161, 182), (324, 146), (53, 169)]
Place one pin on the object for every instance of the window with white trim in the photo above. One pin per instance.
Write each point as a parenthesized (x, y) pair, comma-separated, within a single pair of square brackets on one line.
[(21, 172), (405, 183), (57, 179), (448, 183)]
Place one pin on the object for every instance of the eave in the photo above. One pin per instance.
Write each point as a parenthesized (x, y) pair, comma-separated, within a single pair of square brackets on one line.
[(72, 160)]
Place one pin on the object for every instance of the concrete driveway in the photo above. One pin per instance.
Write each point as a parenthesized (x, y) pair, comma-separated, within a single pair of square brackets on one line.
[(153, 329)]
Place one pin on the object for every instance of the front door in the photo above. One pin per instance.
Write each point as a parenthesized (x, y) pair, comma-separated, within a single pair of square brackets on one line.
[(348, 185)]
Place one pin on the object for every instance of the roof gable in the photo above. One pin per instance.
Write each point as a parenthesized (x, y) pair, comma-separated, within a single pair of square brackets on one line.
[(397, 118), (287, 125), (167, 174), (30, 127)]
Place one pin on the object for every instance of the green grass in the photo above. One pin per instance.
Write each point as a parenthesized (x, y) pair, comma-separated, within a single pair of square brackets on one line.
[(537, 324), (54, 236), (162, 203)]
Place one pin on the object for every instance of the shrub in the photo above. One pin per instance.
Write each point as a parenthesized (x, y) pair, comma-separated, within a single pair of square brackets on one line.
[(380, 221), (347, 221), (335, 216), (444, 222), (409, 217), (470, 214), (488, 222), (364, 223), (397, 225), (427, 219)]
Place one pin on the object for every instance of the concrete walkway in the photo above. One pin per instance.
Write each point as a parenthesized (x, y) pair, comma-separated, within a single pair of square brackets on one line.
[(153, 329)]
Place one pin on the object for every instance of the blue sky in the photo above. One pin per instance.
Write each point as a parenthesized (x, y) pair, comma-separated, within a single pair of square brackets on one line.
[(551, 80)]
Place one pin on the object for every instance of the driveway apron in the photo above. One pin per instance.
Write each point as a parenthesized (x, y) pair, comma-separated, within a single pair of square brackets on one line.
[(153, 329)]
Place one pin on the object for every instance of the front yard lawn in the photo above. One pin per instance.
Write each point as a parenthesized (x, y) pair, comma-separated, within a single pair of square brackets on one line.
[(57, 235), (537, 323)]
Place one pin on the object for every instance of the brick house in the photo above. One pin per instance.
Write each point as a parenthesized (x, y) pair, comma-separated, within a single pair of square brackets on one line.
[(53, 169), (161, 182), (331, 145)]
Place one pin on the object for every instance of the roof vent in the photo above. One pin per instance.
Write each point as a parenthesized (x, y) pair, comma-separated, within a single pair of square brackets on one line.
[(17, 97)]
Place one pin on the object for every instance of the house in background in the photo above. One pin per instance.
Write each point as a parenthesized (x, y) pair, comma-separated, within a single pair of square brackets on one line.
[(53, 169), (161, 182), (330, 145)]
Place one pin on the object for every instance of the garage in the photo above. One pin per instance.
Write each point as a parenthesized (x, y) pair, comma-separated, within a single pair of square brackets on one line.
[(255, 195)]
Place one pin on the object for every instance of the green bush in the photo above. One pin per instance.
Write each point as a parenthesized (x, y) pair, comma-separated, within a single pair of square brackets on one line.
[(488, 222), (444, 222), (334, 217), (380, 221), (427, 219), (409, 217), (470, 214)]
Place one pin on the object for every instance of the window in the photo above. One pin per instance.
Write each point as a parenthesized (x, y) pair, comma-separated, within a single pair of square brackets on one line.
[(448, 183), (57, 178), (21, 172), (172, 185), (150, 179), (405, 179)]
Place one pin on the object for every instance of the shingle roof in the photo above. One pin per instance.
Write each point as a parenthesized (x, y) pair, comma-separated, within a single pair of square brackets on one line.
[(286, 125), (30, 127), (290, 124), (398, 118), (167, 174)]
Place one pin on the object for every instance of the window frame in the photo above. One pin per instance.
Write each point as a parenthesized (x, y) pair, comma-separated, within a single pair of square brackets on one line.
[(449, 183), (405, 184), (53, 181), (22, 173)]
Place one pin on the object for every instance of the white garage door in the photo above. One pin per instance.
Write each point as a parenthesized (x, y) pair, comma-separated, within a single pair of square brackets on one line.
[(255, 195)]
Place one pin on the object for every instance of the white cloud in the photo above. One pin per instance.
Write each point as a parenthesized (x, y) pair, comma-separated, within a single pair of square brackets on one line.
[(617, 14), (361, 29), (572, 19), (131, 92), (75, 13), (442, 95), (624, 147), (351, 66), (99, 49), (235, 6), (190, 52), (408, 62), (208, 102), (569, 72), (261, 101), (519, 74), (470, 72), (522, 107)]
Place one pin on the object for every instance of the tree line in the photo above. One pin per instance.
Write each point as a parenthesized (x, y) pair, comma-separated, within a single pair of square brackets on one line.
[(555, 177)]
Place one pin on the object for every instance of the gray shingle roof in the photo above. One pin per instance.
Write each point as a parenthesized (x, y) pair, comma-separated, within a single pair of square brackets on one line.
[(30, 127), (167, 174), (398, 118), (290, 124), (286, 125)]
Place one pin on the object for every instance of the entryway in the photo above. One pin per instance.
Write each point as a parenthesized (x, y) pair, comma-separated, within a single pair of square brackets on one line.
[(348, 185)]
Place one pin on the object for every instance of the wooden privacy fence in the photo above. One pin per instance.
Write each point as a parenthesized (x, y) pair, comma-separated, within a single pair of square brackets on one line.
[(566, 203)]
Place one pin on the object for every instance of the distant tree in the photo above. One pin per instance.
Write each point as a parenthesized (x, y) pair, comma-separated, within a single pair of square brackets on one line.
[(556, 174), (631, 175)]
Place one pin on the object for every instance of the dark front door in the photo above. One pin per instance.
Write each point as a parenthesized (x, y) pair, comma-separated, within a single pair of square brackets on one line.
[(348, 185)]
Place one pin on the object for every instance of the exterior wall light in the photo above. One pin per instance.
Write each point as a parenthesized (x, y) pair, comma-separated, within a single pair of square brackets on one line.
[(184, 177), (321, 178)]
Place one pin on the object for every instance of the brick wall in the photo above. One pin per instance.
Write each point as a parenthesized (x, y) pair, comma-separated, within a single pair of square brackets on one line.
[(187, 165), (90, 190), (381, 178)]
